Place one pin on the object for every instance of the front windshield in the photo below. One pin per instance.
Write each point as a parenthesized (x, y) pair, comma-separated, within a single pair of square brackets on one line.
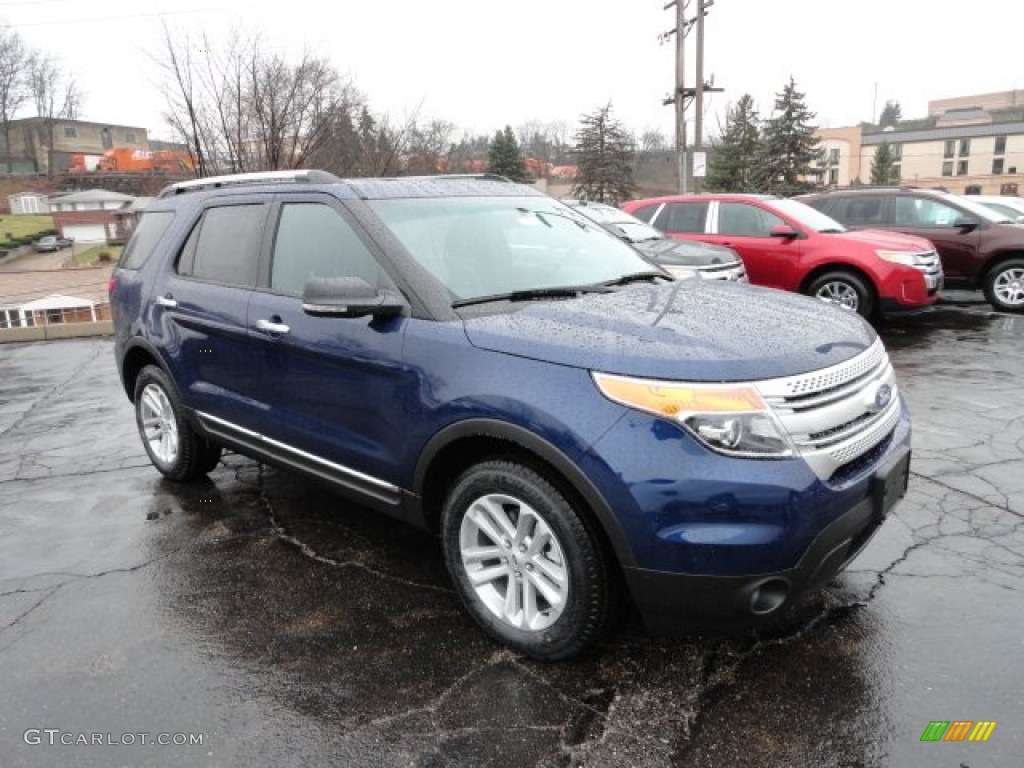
[(979, 210), (632, 228), (1008, 213), (487, 246), (809, 217)]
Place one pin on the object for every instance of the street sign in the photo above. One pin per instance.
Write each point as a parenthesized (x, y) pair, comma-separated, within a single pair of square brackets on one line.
[(700, 164)]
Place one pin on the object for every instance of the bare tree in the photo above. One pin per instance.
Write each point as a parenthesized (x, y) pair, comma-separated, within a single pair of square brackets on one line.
[(243, 109), (14, 92), (55, 96)]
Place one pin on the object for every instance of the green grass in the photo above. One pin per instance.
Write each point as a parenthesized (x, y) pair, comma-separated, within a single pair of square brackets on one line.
[(24, 226), (89, 256)]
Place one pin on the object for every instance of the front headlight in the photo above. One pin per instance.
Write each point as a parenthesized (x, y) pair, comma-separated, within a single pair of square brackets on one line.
[(907, 258), (729, 418)]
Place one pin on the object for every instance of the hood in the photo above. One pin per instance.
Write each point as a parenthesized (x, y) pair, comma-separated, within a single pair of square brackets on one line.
[(892, 241), (686, 253), (693, 330)]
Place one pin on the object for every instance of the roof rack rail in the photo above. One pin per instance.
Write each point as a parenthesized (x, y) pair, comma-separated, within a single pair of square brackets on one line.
[(452, 177), (260, 177)]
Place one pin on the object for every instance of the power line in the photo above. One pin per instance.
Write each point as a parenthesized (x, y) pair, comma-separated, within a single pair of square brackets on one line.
[(121, 17)]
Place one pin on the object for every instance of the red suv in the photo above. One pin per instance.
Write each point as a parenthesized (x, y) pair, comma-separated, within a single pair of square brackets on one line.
[(786, 244)]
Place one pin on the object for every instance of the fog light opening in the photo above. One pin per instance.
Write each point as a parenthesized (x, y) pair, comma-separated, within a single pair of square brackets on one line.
[(768, 596)]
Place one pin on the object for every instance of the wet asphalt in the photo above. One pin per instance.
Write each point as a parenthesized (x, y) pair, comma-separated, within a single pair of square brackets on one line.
[(279, 625)]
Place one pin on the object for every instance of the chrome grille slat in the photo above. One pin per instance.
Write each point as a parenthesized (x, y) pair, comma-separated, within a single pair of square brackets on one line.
[(832, 415)]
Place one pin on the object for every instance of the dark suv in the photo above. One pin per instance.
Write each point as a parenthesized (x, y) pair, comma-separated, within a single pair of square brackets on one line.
[(979, 248), (473, 357)]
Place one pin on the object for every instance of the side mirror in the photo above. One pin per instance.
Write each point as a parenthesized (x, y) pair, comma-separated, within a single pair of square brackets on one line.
[(349, 297), (784, 231), (965, 224)]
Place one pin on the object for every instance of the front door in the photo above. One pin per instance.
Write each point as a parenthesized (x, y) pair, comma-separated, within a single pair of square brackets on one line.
[(334, 389), (746, 228)]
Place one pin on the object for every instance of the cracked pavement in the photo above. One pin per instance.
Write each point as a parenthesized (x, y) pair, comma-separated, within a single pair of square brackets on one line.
[(289, 627)]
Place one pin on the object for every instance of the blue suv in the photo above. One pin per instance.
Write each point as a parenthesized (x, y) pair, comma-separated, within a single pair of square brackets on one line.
[(475, 358)]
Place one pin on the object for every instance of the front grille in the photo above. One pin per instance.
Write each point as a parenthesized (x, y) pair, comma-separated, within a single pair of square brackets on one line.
[(835, 415)]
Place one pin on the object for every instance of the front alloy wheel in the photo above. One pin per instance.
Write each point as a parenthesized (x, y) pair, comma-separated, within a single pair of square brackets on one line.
[(1004, 287), (514, 562), (529, 567), (845, 289)]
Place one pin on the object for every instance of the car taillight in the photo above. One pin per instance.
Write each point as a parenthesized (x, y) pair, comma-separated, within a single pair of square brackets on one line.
[(111, 285)]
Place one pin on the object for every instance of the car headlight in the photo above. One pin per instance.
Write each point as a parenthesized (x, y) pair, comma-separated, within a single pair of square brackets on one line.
[(907, 258), (728, 418)]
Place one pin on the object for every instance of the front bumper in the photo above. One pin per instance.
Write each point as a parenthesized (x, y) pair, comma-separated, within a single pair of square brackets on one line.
[(735, 539), (672, 601)]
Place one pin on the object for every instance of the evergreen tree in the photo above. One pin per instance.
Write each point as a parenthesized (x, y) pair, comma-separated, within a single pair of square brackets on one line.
[(789, 147), (891, 114), (882, 170), (504, 157), (604, 159), (733, 164)]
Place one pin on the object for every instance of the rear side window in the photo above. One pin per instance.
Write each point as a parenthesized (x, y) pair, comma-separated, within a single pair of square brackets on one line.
[(225, 246), (147, 234), (683, 217), (313, 240), (860, 211), (646, 213)]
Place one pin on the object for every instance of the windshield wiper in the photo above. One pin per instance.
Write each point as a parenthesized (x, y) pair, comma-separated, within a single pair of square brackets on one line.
[(636, 277), (533, 294), (831, 231)]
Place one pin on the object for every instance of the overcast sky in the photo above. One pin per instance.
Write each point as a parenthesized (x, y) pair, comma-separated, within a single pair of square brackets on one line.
[(482, 64)]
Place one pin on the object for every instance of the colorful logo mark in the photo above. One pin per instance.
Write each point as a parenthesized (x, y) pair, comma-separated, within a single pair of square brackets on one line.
[(958, 730)]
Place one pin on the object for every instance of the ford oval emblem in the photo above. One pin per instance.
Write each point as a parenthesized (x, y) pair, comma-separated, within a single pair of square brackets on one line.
[(883, 396), (876, 398)]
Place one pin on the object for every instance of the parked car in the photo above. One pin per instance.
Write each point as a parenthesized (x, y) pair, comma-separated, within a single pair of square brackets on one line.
[(1010, 207), (472, 357), (979, 248), (51, 243), (785, 244), (679, 257)]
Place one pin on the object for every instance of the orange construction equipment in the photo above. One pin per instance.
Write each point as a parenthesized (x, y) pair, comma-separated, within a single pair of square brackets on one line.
[(129, 160)]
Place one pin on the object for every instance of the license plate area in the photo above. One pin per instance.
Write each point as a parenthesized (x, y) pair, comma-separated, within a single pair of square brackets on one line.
[(889, 483)]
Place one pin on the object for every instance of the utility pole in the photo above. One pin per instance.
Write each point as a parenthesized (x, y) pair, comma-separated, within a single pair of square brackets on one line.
[(680, 92), (702, 87)]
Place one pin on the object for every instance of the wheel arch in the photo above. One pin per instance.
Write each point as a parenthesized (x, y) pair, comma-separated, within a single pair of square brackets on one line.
[(137, 355), (458, 446), (999, 258), (839, 266)]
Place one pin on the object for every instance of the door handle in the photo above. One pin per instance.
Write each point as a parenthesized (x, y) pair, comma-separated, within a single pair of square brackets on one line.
[(166, 301), (278, 329)]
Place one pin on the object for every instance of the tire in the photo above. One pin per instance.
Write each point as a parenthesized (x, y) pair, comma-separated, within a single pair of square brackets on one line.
[(172, 445), (845, 289), (562, 596), (1004, 286)]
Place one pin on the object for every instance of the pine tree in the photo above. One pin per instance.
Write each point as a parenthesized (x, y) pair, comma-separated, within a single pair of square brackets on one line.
[(882, 170), (733, 164), (504, 157), (788, 145), (604, 159), (891, 114)]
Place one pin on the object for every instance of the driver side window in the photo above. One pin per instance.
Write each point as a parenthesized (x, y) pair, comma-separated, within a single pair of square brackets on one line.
[(746, 220), (918, 212), (313, 240)]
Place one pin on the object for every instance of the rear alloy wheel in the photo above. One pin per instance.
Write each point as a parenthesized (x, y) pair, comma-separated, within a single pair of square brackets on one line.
[(173, 447), (524, 563), (845, 289), (1004, 286)]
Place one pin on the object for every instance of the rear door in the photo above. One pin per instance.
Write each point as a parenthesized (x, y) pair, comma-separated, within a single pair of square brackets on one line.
[(200, 311), (334, 390)]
